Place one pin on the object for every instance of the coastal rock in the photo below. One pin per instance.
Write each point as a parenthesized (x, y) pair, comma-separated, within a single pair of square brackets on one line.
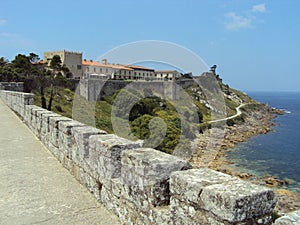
[(273, 181), (287, 181), (291, 218), (256, 123), (287, 201), (244, 176)]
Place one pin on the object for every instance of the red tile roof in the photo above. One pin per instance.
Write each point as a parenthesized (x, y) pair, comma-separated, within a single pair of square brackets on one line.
[(91, 63), (139, 67), (166, 71)]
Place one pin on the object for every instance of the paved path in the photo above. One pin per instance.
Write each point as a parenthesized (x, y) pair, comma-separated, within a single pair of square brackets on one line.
[(238, 112), (34, 187)]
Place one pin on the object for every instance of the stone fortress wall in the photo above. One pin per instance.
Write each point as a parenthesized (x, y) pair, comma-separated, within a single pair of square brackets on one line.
[(91, 89), (12, 86), (143, 185)]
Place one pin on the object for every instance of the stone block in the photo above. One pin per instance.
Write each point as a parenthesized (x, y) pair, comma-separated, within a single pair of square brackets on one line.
[(183, 213), (228, 199), (80, 143), (147, 166), (34, 119), (27, 117), (124, 209), (158, 215), (55, 152), (65, 135), (105, 154), (46, 122), (53, 128), (145, 173), (39, 122), (188, 185), (238, 201), (92, 184)]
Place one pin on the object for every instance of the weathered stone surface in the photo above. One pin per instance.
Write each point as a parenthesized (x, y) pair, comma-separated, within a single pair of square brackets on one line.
[(144, 166), (45, 129), (27, 116), (35, 123), (226, 198), (39, 122), (105, 154), (67, 126), (292, 218), (91, 183), (146, 173), (188, 185), (123, 208), (53, 128), (80, 142), (65, 134), (237, 201), (160, 215), (183, 213)]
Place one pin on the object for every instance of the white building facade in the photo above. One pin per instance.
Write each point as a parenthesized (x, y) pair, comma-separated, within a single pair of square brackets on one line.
[(170, 75)]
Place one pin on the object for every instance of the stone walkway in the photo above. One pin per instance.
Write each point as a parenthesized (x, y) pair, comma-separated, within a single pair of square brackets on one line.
[(34, 187)]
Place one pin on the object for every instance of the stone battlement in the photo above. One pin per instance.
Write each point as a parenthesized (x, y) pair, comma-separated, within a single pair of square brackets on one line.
[(11, 86), (143, 185)]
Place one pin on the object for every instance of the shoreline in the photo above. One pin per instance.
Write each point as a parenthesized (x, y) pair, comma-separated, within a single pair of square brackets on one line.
[(255, 123)]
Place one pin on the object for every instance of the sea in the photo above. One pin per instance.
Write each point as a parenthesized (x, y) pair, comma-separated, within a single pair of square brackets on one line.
[(276, 153)]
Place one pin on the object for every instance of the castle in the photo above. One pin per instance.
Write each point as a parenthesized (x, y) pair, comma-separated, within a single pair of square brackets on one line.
[(89, 69)]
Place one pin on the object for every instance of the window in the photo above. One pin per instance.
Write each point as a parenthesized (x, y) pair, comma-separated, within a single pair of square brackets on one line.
[(100, 70), (87, 69), (106, 70), (94, 70), (79, 67)]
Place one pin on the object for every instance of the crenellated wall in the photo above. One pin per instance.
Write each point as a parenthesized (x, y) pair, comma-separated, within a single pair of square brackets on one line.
[(143, 185)]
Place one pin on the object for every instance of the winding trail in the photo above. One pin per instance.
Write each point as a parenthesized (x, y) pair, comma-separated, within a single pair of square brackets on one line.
[(238, 113)]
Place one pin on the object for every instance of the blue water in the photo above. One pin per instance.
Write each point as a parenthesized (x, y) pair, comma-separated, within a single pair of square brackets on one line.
[(276, 153)]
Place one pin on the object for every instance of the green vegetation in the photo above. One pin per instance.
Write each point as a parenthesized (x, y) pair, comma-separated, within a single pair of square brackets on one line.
[(36, 76), (157, 121), (62, 102)]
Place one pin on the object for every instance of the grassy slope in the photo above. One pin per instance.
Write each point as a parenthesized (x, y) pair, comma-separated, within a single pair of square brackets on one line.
[(99, 113)]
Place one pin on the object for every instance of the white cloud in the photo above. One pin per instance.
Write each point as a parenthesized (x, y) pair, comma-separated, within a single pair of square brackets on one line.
[(9, 35), (13, 39), (244, 19), (2, 21), (259, 8), (236, 22)]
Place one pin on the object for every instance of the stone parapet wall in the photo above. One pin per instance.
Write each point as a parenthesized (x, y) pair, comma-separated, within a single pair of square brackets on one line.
[(12, 86), (143, 185)]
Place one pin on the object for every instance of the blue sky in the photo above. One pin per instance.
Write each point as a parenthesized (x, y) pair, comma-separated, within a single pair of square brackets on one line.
[(256, 44)]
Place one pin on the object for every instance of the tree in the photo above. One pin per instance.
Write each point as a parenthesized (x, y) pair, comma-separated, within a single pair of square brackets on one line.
[(22, 64), (213, 69), (56, 65), (8, 73), (34, 58), (3, 69), (66, 71), (3, 61)]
